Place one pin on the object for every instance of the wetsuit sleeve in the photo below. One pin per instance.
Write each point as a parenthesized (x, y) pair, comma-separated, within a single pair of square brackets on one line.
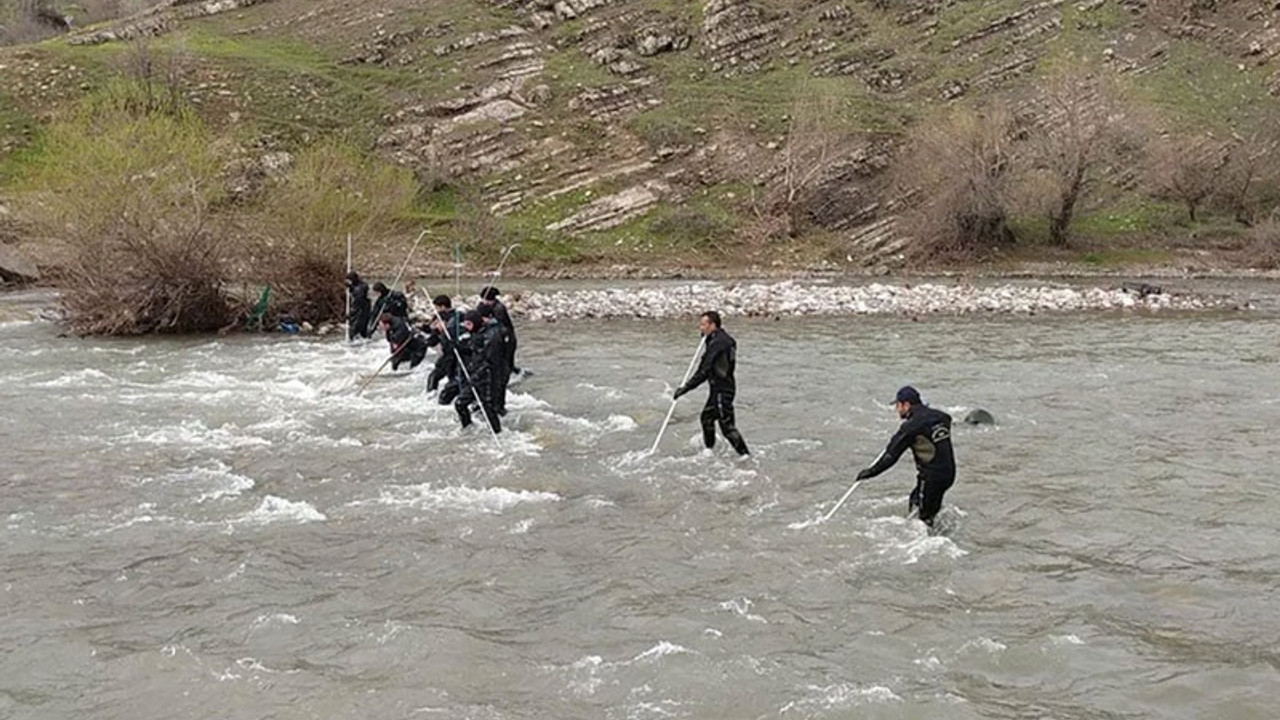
[(714, 348), (500, 313), (898, 444)]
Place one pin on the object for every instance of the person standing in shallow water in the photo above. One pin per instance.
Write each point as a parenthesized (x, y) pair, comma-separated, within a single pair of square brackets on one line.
[(928, 433), (719, 359), (358, 321)]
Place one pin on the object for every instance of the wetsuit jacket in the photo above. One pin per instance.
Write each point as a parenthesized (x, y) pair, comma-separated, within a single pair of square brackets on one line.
[(487, 351), (718, 362), (928, 433), (501, 314), (360, 299), (393, 302), (400, 335)]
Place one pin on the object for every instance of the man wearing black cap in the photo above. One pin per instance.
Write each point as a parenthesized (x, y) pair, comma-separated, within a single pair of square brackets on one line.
[(489, 296), (358, 320), (928, 433), (719, 359)]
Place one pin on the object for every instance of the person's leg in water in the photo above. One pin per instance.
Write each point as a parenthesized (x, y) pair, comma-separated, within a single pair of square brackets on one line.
[(462, 406), (708, 421), (511, 355), (724, 414), (449, 393), (930, 499)]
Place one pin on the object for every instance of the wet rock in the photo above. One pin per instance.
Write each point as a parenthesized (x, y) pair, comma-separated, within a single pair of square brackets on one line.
[(979, 417), (15, 267)]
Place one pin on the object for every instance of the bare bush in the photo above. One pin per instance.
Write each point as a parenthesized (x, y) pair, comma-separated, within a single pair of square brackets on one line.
[(1075, 130), (1264, 244), (331, 192), (157, 78), (128, 200), (1249, 184), (1185, 168), (958, 169), (786, 184)]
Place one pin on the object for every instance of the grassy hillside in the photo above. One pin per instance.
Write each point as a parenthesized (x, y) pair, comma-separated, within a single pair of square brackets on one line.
[(666, 133)]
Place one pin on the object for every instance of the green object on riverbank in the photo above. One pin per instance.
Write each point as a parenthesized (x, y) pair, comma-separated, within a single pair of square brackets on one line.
[(259, 312)]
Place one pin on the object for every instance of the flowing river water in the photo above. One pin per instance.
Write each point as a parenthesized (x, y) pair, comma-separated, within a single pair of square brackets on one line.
[(201, 528)]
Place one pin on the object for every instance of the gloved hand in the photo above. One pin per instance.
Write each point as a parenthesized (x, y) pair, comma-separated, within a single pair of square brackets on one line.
[(863, 474), (679, 391)]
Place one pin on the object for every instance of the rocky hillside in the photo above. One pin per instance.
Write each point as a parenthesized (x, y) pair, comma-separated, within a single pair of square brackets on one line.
[(641, 130)]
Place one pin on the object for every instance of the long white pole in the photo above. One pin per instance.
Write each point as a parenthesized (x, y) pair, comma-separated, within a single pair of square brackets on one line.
[(347, 315), (373, 320), (506, 253), (847, 493), (687, 373)]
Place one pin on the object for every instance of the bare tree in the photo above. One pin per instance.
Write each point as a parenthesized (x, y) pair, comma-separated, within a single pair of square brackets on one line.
[(1186, 168), (1074, 133), (1249, 183), (958, 170), (817, 141)]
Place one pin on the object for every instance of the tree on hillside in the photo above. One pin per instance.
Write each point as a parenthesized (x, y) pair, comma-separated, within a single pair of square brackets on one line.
[(332, 191), (1249, 185), (1186, 168), (1074, 132), (958, 170), (816, 143)]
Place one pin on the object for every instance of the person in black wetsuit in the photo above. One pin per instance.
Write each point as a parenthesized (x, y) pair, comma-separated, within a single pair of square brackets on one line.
[(718, 361), (481, 347), (927, 432), (489, 297), (389, 301), (443, 330), (495, 344), (358, 320), (406, 344)]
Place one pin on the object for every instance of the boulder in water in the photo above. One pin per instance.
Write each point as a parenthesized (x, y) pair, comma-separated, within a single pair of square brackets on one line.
[(16, 268), (979, 417)]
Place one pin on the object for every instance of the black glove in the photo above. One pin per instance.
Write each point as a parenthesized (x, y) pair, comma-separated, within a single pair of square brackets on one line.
[(679, 391), (864, 474)]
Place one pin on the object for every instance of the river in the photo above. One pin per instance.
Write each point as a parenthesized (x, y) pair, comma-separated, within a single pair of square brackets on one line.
[(222, 527)]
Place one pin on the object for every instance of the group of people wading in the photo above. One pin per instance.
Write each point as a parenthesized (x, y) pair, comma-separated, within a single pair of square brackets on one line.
[(477, 347), (477, 358)]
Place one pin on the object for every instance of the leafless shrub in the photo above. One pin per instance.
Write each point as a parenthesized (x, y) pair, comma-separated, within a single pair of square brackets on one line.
[(1185, 168), (1249, 184), (1264, 244), (128, 199), (1076, 129), (331, 192), (957, 167), (157, 79)]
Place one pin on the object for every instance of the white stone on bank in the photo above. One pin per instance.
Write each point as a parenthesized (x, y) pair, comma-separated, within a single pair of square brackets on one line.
[(794, 299)]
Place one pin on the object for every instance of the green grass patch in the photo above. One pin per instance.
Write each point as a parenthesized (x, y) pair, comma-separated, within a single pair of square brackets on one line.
[(1203, 88), (1119, 257), (20, 133), (763, 100), (571, 69)]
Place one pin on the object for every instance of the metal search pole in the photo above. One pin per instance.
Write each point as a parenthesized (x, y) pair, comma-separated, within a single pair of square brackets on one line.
[(702, 344)]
